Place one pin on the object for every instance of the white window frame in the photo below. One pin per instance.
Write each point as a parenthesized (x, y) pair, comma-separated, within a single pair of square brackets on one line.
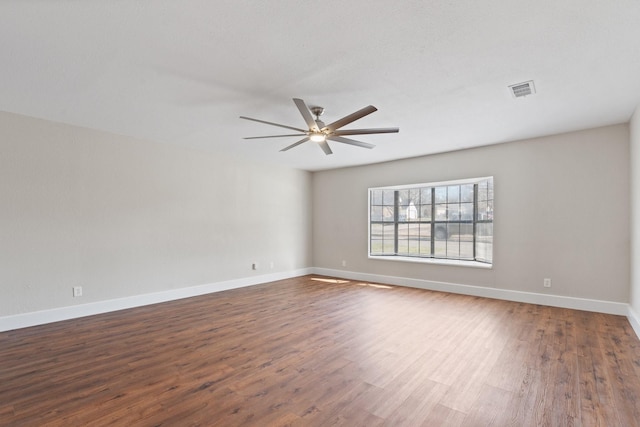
[(431, 259)]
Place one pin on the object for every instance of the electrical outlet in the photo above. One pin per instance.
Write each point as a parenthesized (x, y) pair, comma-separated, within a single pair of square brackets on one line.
[(77, 291), (547, 283), (344, 263), (271, 265)]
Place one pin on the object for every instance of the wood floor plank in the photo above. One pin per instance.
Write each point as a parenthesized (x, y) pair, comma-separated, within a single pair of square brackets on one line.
[(521, 408), (620, 361), (596, 394), (490, 408), (316, 351), (417, 406), (442, 416)]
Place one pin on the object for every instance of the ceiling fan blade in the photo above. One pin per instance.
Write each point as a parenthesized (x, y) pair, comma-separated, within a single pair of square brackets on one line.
[(365, 131), (274, 136), (351, 118), (306, 114), (274, 124), (350, 141), (325, 147), (295, 144)]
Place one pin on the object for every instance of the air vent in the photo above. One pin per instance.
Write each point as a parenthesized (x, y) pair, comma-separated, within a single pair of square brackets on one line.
[(523, 89)]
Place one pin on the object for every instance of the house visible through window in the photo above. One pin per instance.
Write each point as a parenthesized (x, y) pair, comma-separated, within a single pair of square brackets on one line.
[(449, 220)]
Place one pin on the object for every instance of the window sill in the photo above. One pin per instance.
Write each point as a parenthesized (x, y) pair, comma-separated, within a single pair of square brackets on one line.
[(435, 261)]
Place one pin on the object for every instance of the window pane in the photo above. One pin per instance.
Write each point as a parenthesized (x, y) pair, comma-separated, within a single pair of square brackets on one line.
[(414, 195), (485, 210), (403, 239), (376, 231), (388, 197), (466, 193), (482, 211), (414, 239), (403, 246), (414, 247), (466, 250), (484, 230), (376, 247), (483, 191), (466, 230), (441, 194), (403, 231), (403, 198), (466, 211), (387, 213), (411, 212), (453, 193), (440, 230), (376, 197), (484, 242), (453, 212), (376, 213), (376, 243), (484, 252), (440, 248), (425, 196), (425, 239), (441, 212), (453, 242), (425, 213), (466, 241), (389, 231)]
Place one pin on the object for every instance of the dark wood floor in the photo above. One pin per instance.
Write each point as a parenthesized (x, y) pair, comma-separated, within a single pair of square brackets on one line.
[(314, 351)]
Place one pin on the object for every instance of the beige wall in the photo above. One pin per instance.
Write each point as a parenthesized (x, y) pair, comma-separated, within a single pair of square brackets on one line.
[(635, 211), (561, 211), (124, 217)]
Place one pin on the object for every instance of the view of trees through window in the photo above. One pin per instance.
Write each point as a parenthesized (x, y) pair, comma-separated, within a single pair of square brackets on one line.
[(453, 221)]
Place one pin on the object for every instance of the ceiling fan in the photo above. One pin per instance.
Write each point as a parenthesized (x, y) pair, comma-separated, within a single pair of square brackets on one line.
[(319, 132)]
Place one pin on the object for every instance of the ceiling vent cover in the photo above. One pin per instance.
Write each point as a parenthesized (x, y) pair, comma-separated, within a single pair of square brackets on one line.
[(523, 89)]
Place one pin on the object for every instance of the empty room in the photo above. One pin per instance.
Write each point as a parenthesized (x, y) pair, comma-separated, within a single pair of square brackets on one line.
[(292, 213)]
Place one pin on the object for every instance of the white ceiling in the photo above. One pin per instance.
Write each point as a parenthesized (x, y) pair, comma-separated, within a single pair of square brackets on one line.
[(181, 72)]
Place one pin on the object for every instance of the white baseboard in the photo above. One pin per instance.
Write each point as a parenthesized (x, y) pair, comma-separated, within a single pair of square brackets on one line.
[(598, 306), (18, 321), (634, 320)]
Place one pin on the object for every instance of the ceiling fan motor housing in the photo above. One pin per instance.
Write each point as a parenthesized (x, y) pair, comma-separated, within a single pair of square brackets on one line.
[(317, 111)]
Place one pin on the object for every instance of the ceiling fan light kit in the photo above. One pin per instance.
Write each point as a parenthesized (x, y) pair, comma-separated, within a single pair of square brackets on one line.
[(317, 137), (319, 132)]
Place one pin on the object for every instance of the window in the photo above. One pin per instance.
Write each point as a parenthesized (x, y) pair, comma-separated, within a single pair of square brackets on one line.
[(446, 220)]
